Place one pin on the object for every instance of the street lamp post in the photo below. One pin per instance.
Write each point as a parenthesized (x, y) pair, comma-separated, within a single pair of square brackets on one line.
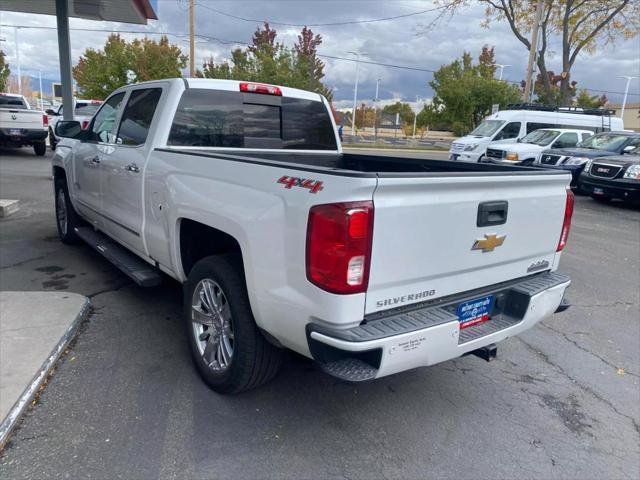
[(626, 91), (415, 117), (355, 94), (375, 111), (502, 67), (15, 31)]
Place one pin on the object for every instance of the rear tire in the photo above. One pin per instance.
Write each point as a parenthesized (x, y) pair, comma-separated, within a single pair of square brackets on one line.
[(67, 219), (40, 148), (229, 351)]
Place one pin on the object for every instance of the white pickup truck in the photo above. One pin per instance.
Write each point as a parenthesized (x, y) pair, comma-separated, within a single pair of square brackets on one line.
[(19, 125), (371, 265)]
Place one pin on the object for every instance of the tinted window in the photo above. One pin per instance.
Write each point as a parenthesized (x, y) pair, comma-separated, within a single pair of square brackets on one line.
[(537, 126), (209, 118), (261, 126), (566, 140), (13, 102), (137, 116), (103, 123), (510, 130), (306, 124)]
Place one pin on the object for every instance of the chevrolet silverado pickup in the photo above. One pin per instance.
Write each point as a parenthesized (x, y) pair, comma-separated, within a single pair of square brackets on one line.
[(20, 126), (370, 265)]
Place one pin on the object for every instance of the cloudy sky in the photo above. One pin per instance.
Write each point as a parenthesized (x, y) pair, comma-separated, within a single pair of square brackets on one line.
[(404, 42)]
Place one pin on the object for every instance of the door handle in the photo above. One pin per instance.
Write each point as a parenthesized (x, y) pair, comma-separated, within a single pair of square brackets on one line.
[(132, 167), (492, 213), (95, 160)]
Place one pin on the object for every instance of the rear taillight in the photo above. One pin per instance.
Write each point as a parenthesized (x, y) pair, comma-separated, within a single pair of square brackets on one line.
[(339, 246), (566, 224), (85, 124), (260, 88), (45, 121)]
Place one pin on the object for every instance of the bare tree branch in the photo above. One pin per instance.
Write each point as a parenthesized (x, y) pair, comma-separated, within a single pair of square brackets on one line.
[(595, 32)]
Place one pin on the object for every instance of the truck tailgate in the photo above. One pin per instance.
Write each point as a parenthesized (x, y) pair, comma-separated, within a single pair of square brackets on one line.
[(425, 229), (20, 118)]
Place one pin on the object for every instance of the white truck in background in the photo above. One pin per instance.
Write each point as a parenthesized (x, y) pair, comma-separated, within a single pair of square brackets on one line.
[(371, 265), (20, 126), (82, 112), (526, 150)]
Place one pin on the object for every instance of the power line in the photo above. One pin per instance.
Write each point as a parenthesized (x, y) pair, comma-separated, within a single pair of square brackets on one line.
[(240, 42), (328, 24)]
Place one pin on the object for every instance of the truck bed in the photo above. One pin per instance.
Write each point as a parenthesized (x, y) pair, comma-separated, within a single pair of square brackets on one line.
[(355, 164)]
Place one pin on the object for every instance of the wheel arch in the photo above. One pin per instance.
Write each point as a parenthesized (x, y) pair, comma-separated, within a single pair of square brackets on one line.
[(197, 240)]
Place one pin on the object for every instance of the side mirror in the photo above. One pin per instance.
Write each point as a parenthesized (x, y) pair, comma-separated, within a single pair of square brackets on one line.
[(68, 129), (628, 148), (49, 111)]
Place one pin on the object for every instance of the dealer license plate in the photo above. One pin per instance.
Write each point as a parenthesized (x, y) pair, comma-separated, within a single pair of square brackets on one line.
[(598, 191), (475, 311), (14, 131)]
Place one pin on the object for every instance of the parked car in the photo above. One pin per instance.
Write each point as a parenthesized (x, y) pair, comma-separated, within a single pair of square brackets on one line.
[(616, 176), (371, 265), (516, 121), (20, 125), (575, 159), (83, 111), (526, 150)]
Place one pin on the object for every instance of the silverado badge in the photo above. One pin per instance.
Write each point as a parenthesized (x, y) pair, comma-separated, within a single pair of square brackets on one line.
[(488, 243)]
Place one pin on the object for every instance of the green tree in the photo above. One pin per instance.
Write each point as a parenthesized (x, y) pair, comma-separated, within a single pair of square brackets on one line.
[(99, 72), (4, 72), (269, 61), (404, 109), (579, 25), (465, 93), (585, 100)]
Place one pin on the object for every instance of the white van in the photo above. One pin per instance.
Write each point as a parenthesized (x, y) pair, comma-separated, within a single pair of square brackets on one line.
[(507, 126)]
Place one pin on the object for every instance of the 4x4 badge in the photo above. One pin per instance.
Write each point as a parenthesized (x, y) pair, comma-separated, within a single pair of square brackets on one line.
[(314, 186), (489, 242)]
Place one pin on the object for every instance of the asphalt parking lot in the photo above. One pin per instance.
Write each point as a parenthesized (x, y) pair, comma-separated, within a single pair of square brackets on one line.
[(561, 400)]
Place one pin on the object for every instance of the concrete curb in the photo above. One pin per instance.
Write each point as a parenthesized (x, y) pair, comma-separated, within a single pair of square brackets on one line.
[(10, 422)]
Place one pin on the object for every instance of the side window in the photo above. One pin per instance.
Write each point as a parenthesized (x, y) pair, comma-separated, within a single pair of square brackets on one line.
[(103, 122), (537, 126), (137, 116), (510, 130), (586, 135), (566, 140), (635, 142)]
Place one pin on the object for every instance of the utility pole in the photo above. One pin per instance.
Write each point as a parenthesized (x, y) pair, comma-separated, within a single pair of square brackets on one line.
[(533, 51), (626, 91), (355, 94), (375, 112), (192, 40)]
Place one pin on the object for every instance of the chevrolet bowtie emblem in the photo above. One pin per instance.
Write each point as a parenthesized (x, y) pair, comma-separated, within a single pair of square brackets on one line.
[(488, 243)]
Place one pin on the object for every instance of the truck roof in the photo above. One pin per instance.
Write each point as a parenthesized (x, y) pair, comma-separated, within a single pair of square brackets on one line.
[(233, 86)]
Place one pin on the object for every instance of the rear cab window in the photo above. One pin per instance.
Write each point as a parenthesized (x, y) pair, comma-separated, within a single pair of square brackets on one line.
[(9, 101), (218, 118)]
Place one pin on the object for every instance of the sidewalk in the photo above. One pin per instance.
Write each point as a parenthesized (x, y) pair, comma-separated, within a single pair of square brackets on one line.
[(35, 328)]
